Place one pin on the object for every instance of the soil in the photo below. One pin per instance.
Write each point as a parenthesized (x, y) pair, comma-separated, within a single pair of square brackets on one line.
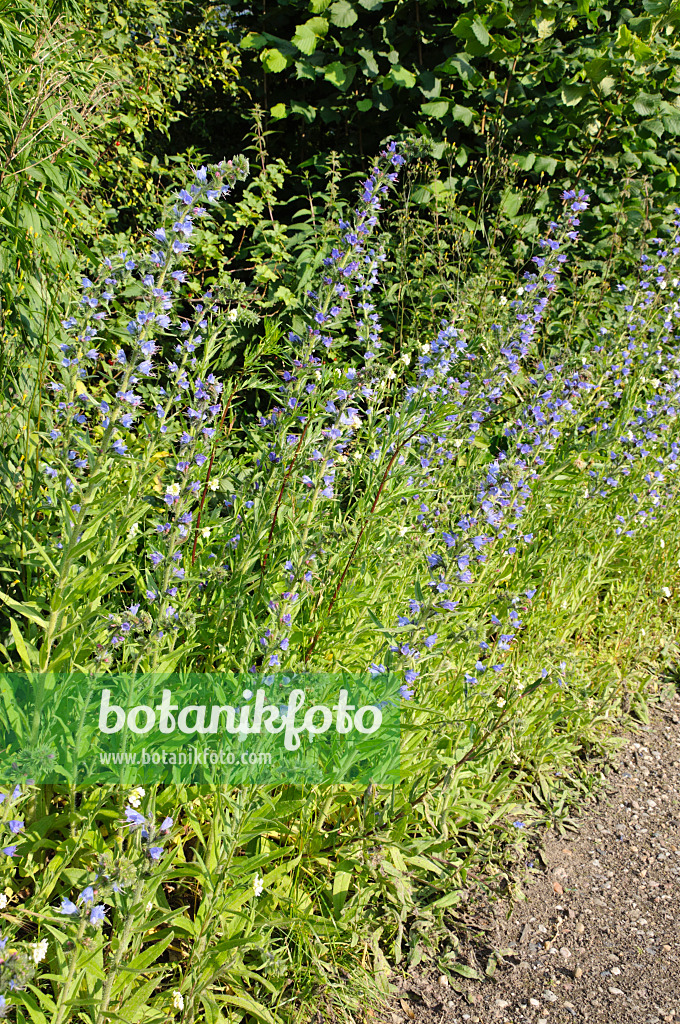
[(596, 937)]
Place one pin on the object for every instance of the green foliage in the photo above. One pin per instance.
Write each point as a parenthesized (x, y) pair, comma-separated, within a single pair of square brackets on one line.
[(52, 101), (272, 904)]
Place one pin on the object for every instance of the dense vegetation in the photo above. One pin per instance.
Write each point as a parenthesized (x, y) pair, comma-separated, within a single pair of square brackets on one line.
[(393, 394)]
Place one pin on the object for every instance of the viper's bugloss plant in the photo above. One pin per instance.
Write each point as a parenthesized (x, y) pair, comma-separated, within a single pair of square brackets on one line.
[(490, 520)]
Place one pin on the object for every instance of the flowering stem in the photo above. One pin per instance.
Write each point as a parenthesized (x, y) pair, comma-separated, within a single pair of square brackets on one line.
[(383, 481), (207, 478), (65, 994), (280, 497), (120, 953)]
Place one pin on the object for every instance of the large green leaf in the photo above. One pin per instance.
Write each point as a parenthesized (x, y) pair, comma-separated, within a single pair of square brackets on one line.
[(342, 14)]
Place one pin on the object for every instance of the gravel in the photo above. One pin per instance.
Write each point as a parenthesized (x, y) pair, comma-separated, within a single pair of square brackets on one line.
[(596, 937)]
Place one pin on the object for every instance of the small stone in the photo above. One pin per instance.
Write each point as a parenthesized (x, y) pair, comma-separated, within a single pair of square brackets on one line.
[(443, 981), (578, 972), (534, 1002), (616, 991), (616, 970), (558, 888), (502, 1003), (666, 949), (580, 928), (542, 1020), (549, 996), (564, 952)]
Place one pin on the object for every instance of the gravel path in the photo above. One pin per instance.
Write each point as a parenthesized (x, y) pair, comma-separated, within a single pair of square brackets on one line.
[(597, 938)]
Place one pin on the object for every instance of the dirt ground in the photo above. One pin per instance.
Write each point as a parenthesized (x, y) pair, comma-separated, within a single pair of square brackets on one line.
[(597, 936)]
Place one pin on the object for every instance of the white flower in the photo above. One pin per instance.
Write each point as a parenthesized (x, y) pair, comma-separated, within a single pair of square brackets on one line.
[(403, 530), (173, 489), (503, 300), (258, 885), (500, 702), (458, 442), (177, 1000), (232, 315), (662, 542), (149, 907), (39, 951), (3, 901), (391, 375), (134, 530), (666, 591), (406, 358), (520, 290), (205, 532), (214, 483), (425, 348), (135, 796)]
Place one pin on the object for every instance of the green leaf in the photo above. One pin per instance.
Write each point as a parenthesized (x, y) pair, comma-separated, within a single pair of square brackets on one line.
[(450, 900), (464, 114), (303, 110), (341, 883), (278, 111), (401, 76), (598, 68), (29, 611), (22, 650), (252, 40), (273, 60), (465, 971), (645, 104), (305, 39), (429, 85), (369, 59), (545, 27), (573, 94), (480, 32), (340, 75), (435, 108), (511, 203), (364, 105), (526, 161), (343, 14), (671, 123), (459, 64), (545, 163)]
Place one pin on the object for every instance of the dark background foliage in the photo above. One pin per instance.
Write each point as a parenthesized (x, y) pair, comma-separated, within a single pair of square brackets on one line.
[(512, 101)]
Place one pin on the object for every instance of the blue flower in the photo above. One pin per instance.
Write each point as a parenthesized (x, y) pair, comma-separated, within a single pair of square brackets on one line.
[(134, 818), (87, 895), (98, 914), (68, 907), (9, 850)]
